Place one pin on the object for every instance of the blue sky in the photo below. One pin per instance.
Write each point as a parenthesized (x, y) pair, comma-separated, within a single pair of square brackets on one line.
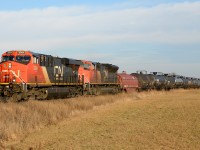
[(27, 4), (157, 35), (10, 5)]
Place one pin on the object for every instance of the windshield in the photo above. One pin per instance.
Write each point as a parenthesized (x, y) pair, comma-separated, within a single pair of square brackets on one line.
[(8, 58), (23, 59)]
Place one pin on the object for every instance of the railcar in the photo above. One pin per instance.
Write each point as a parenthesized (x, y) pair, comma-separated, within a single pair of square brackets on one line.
[(144, 80), (185, 82), (175, 81), (195, 83), (129, 83), (190, 82), (152, 81), (25, 74), (170, 84), (198, 83), (178, 81), (160, 80)]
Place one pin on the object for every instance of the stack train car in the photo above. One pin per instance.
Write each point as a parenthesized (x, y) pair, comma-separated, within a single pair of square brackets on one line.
[(27, 75)]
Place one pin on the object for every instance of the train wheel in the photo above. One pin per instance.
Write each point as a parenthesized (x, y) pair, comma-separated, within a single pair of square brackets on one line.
[(78, 91), (42, 94)]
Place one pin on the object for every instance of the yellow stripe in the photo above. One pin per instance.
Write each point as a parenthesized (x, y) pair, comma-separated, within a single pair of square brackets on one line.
[(45, 74), (50, 84), (4, 83), (104, 83)]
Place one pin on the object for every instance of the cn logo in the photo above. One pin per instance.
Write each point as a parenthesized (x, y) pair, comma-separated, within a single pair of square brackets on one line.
[(14, 73), (58, 72)]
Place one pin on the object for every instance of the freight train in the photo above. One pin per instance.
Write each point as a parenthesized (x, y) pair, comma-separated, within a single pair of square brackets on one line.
[(25, 75)]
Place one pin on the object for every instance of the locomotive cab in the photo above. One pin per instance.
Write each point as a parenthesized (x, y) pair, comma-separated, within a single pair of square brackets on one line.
[(14, 66)]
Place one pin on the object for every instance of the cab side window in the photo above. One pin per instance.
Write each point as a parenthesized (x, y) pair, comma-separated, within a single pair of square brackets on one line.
[(49, 62), (35, 60), (42, 60)]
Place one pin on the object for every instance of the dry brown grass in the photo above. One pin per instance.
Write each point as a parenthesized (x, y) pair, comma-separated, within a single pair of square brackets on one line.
[(19, 119), (148, 120)]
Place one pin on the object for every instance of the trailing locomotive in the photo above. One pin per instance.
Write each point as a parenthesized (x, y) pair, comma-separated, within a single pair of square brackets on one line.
[(24, 75)]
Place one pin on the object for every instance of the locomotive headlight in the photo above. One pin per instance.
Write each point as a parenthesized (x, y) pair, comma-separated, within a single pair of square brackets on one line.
[(9, 65), (14, 80)]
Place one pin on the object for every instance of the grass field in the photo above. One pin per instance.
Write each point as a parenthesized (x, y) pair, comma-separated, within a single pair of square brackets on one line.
[(152, 120)]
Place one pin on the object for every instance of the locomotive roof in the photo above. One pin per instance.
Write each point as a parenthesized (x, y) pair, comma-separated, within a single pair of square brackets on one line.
[(106, 65), (36, 54), (111, 66), (70, 60)]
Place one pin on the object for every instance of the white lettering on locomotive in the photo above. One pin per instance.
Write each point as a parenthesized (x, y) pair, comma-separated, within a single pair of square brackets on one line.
[(13, 72), (16, 75), (58, 72)]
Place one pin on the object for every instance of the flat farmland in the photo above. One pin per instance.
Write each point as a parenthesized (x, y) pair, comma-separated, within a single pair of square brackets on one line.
[(148, 120)]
